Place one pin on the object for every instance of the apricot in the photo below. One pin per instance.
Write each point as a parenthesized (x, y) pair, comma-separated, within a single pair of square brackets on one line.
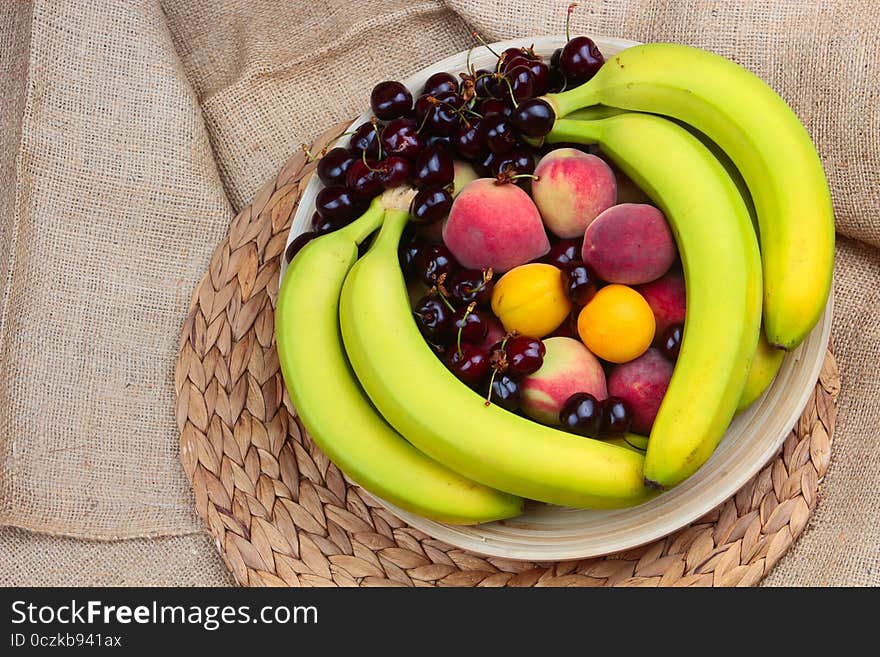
[(571, 189), (494, 225), (666, 296), (531, 300), (568, 367), (617, 324), (641, 384), (630, 243)]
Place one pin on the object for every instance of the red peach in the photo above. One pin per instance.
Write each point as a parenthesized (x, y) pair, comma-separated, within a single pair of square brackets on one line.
[(568, 367), (494, 225), (630, 243), (571, 189), (666, 296), (641, 384)]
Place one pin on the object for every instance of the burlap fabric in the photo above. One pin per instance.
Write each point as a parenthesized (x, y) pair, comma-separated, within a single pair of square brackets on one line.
[(131, 132)]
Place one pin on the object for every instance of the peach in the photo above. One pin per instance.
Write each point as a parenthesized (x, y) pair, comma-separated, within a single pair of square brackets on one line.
[(568, 367), (571, 189), (494, 225), (630, 243), (641, 384), (666, 296)]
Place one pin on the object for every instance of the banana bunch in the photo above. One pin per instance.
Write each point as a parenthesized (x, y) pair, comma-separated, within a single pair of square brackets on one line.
[(375, 398), (758, 147)]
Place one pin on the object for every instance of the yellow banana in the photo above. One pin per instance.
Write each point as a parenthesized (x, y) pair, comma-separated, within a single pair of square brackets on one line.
[(722, 269), (450, 422), (766, 142), (765, 365), (334, 409)]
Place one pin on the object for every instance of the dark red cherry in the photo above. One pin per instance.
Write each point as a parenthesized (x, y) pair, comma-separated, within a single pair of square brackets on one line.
[(430, 205), (439, 141), (432, 262), (332, 166), (533, 117), (433, 168), (320, 225), (486, 84), (505, 392), (509, 54), (580, 59), (563, 252), (440, 83), (445, 115), (471, 285), (579, 282), (616, 418), (500, 135), (339, 204), (525, 355), (471, 324), (401, 137), (407, 250), (365, 138), (485, 165), (522, 82), (394, 171), (363, 179), (492, 106), (470, 363), (469, 139), (390, 99), (554, 58), (515, 162), (582, 414), (670, 342), (433, 317), (541, 74), (298, 243)]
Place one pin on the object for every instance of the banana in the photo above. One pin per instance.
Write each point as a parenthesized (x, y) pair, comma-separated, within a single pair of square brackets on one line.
[(766, 142), (722, 269), (450, 422), (334, 409), (765, 365)]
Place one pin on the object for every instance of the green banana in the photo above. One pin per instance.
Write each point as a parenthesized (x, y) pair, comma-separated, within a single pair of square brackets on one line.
[(450, 422), (769, 146), (722, 269), (765, 365), (334, 409)]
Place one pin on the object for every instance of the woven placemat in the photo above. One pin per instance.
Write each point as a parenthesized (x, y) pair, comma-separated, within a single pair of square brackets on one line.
[(282, 514)]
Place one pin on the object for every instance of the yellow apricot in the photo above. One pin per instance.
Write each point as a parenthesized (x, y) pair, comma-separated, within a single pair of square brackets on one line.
[(531, 300), (617, 324)]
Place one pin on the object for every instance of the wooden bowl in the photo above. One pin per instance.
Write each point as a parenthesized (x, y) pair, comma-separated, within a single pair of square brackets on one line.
[(552, 533)]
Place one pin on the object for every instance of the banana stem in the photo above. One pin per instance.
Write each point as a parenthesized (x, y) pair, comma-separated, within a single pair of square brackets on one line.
[(579, 132), (369, 221), (566, 102)]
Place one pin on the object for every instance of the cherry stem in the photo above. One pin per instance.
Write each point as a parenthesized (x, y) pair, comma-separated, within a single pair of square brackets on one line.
[(457, 110), (568, 14), (483, 43), (510, 88), (366, 164), (467, 312), (378, 137), (441, 291), (311, 157)]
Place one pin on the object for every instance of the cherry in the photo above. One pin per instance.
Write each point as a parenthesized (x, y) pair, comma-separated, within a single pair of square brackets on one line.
[(332, 167), (525, 355), (533, 117), (432, 317), (433, 168), (582, 414), (500, 135), (471, 286), (492, 106), (407, 251), (394, 171), (401, 137), (432, 262), (579, 282), (469, 139), (554, 58), (522, 82), (563, 252), (338, 204), (440, 83), (320, 225), (541, 74), (298, 243), (616, 418), (430, 205), (470, 363), (504, 392), (423, 107), (439, 141), (363, 179), (390, 99), (670, 342), (485, 166), (485, 84), (365, 139), (514, 162), (510, 53), (470, 324), (444, 117), (580, 59)]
